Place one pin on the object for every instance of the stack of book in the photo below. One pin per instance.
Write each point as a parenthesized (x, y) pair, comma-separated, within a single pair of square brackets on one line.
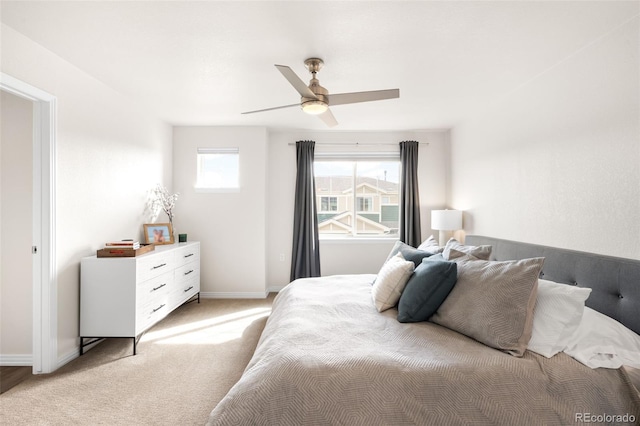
[(129, 244), (124, 248)]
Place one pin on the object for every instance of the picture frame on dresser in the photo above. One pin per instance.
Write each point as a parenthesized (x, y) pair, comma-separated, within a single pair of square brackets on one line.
[(158, 233)]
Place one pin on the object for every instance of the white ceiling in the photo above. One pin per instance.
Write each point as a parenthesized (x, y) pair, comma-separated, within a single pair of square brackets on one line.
[(204, 62)]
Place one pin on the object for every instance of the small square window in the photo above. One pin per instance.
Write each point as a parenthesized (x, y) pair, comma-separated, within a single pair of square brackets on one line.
[(218, 169)]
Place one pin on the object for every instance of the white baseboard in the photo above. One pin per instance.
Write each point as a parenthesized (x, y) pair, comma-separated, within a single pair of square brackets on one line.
[(16, 360), (68, 357), (240, 294), (233, 295)]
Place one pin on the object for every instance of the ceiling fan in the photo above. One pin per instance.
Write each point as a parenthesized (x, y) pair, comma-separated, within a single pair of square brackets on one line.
[(316, 99)]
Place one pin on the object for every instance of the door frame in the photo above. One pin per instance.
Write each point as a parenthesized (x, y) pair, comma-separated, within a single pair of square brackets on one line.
[(45, 284)]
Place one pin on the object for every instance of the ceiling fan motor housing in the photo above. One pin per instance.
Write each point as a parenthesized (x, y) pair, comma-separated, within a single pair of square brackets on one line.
[(321, 93), (321, 103)]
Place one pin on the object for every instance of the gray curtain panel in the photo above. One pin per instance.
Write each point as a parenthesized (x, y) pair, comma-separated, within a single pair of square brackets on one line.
[(305, 261), (410, 196)]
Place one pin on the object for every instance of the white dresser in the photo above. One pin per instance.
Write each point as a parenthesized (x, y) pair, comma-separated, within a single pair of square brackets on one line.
[(125, 296)]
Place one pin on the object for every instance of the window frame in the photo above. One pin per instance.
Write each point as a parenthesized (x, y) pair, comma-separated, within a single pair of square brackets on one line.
[(200, 185), (357, 157)]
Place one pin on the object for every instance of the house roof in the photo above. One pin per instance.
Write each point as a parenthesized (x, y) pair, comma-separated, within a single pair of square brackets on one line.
[(336, 220), (336, 184)]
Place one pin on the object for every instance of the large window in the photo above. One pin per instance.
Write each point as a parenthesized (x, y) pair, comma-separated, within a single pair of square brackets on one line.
[(357, 198), (218, 169)]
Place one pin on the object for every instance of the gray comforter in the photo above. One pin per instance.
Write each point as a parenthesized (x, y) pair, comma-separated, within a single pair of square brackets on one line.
[(327, 356)]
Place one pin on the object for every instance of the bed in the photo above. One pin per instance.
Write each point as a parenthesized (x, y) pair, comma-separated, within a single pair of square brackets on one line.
[(327, 356)]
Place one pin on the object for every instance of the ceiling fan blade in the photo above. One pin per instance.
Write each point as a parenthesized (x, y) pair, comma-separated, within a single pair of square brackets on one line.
[(271, 109), (295, 81), (356, 97), (328, 118)]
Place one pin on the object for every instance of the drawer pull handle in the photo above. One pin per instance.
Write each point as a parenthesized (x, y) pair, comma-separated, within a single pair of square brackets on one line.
[(159, 266), (158, 308), (188, 272), (188, 289), (189, 255), (159, 287)]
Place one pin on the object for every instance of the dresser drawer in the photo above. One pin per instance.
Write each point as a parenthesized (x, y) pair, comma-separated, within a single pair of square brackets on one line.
[(154, 289), (185, 290), (152, 312), (187, 254), (186, 272), (152, 266)]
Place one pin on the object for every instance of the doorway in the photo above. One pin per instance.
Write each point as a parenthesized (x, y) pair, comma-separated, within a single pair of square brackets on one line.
[(43, 265), (16, 211)]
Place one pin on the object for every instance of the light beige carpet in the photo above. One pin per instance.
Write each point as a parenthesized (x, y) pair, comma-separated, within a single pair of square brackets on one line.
[(184, 366)]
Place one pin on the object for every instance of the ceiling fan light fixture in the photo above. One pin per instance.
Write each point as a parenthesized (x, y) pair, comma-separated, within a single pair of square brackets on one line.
[(315, 107)]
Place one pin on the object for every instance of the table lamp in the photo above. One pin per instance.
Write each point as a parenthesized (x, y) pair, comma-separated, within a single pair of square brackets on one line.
[(445, 220)]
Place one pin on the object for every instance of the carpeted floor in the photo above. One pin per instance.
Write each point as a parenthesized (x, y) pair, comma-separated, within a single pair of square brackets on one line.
[(184, 366)]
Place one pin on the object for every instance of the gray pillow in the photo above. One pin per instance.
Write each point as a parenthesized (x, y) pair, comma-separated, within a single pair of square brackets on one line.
[(425, 291), (409, 253), (481, 252), (493, 302), (430, 245)]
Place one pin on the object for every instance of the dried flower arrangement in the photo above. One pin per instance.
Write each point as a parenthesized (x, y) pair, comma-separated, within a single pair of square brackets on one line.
[(165, 201)]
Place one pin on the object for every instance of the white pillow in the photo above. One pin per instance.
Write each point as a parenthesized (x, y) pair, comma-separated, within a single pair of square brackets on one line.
[(430, 245), (556, 316), (601, 341), (392, 278)]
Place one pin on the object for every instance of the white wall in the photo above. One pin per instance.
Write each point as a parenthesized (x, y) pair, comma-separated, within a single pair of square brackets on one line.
[(558, 161), (343, 257), (231, 226), (245, 234), (16, 288), (110, 153)]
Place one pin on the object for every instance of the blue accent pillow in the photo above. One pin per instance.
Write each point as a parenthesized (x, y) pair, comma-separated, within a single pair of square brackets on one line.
[(439, 257), (427, 288)]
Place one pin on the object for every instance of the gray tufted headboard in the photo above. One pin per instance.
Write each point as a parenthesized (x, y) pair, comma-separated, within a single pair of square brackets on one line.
[(615, 281)]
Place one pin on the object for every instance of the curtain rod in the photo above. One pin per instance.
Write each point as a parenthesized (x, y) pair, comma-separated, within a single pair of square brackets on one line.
[(358, 143)]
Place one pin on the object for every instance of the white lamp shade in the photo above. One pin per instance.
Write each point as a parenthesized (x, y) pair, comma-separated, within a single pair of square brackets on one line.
[(446, 220)]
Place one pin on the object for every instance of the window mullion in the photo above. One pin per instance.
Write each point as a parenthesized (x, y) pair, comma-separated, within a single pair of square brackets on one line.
[(354, 224)]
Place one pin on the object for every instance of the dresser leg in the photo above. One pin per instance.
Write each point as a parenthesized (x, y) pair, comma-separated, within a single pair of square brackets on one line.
[(84, 344)]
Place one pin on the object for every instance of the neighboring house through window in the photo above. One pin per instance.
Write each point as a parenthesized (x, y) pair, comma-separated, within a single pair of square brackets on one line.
[(357, 197)]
